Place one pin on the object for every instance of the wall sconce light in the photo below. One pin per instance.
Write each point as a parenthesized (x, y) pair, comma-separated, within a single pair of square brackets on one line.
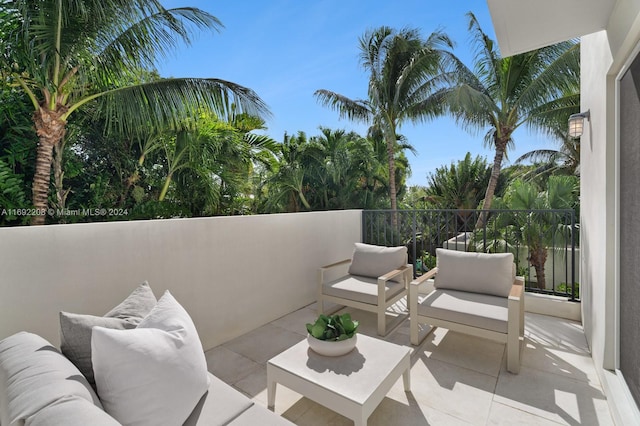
[(576, 123)]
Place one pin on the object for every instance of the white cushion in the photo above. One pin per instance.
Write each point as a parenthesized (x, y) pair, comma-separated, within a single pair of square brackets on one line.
[(463, 307), (486, 273), (375, 261), (71, 411), (153, 374), (75, 329), (33, 375), (360, 289)]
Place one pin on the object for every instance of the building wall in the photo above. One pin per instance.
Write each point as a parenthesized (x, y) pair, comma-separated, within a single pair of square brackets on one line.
[(604, 55), (215, 267)]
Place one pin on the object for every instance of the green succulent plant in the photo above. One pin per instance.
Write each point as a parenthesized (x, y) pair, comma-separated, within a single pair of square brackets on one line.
[(333, 328)]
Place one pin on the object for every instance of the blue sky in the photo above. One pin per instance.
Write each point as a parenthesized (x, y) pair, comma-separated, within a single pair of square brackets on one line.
[(285, 50)]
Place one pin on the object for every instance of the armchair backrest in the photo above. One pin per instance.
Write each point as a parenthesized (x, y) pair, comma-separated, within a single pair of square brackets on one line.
[(486, 273), (374, 261)]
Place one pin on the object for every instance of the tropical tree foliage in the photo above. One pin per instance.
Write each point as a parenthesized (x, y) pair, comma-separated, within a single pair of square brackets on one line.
[(539, 229), (462, 184), (501, 94), (69, 55), (404, 71), (333, 170)]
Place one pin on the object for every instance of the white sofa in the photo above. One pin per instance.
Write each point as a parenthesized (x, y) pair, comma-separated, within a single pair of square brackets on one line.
[(142, 363), (472, 293)]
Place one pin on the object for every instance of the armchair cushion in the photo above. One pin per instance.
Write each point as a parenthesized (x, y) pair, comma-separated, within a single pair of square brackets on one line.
[(472, 309), (484, 273), (374, 261), (360, 289)]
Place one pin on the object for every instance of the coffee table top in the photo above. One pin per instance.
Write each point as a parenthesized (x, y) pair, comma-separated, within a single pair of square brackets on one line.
[(354, 376)]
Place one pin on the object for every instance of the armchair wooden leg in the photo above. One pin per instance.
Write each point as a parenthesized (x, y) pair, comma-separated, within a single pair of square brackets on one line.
[(413, 322), (382, 323), (513, 347)]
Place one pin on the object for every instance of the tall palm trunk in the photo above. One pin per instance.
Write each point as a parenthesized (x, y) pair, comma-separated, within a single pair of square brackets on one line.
[(501, 146), (50, 130), (390, 137), (538, 258)]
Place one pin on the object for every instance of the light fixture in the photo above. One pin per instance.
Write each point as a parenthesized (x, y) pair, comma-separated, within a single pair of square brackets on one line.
[(576, 123)]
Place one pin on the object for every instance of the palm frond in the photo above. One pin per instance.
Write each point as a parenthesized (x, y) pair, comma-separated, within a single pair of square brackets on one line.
[(169, 102), (357, 110)]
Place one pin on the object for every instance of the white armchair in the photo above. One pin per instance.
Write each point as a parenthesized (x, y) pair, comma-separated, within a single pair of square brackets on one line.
[(372, 280), (475, 293)]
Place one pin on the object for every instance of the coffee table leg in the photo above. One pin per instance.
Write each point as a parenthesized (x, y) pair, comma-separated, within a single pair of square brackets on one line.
[(360, 421), (406, 378), (271, 390)]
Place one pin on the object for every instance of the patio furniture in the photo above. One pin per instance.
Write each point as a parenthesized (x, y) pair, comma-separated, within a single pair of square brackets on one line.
[(352, 385), (372, 280), (475, 293)]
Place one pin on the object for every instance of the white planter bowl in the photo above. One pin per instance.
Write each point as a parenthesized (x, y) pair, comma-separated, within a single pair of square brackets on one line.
[(328, 348)]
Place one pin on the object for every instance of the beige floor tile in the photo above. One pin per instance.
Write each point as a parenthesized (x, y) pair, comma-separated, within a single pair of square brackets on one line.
[(553, 397), (262, 344), (254, 383), (229, 366), (315, 415), (481, 355), (557, 332), (296, 321), (503, 415), (563, 362), (459, 392), (409, 412)]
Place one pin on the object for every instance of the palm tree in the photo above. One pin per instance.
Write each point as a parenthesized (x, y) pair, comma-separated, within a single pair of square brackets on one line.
[(404, 71), (503, 94), (565, 160), (69, 55), (538, 230), (460, 186)]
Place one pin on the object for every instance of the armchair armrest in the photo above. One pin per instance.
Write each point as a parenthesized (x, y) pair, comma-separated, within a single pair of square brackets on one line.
[(392, 274), (517, 290), (333, 265), (424, 277)]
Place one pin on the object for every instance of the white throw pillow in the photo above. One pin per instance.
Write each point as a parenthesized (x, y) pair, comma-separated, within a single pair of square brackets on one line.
[(154, 374)]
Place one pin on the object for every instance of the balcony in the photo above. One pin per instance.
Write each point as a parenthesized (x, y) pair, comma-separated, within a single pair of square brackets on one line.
[(249, 285), (456, 379)]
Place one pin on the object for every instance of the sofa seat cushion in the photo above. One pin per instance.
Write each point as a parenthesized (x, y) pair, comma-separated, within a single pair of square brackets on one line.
[(486, 273), (219, 405), (259, 415), (223, 405), (71, 411), (360, 289), (375, 261), (472, 309), (33, 375)]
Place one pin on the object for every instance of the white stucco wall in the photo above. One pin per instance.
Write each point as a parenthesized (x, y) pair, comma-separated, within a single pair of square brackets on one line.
[(596, 163), (232, 274), (604, 56)]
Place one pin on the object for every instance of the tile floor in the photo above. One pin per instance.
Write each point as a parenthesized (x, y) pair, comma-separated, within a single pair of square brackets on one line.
[(455, 379)]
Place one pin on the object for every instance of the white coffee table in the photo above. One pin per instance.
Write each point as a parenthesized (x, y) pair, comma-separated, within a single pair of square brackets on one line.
[(352, 385)]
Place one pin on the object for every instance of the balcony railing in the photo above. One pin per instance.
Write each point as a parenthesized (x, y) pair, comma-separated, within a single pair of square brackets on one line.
[(544, 242)]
